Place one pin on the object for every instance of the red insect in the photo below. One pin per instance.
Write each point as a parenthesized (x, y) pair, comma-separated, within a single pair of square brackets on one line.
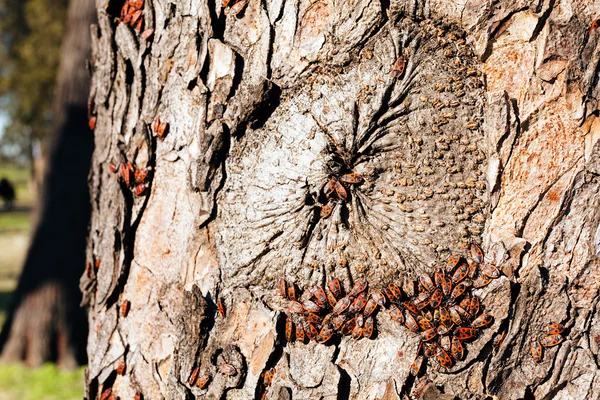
[(410, 307), (300, 336), (436, 298), (446, 287), (352, 179), (141, 174), (395, 291), (443, 329), (476, 253), (325, 334), (237, 7), (481, 281), (335, 286), (426, 282), (594, 25), (359, 287), (378, 296), (444, 359), (461, 311), (340, 190), (160, 128), (357, 332), (554, 328), (445, 316), (396, 314), (428, 335), (107, 394), (282, 287), (338, 321), (424, 323), (422, 300), (138, 396), (360, 320), (193, 376), (460, 273), (310, 331), (370, 307), (472, 271), (125, 171), (268, 377), (537, 351), (221, 308), (410, 322), (289, 329), (551, 340), (489, 270), (455, 316), (464, 333), (327, 209), (438, 277), (92, 123), (445, 343), (314, 318), (227, 369), (457, 350), (431, 350), (369, 328), (359, 303), (408, 287), (311, 306), (465, 303), (498, 340), (203, 381), (329, 188), (398, 67), (112, 168), (474, 305), (291, 291), (320, 295), (125, 306), (452, 262), (415, 368), (140, 189), (349, 326), (482, 321), (147, 33), (458, 291), (121, 368), (420, 387), (331, 298), (296, 308)]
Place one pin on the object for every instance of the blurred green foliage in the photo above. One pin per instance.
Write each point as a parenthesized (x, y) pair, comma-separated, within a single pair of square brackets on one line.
[(31, 32), (48, 382)]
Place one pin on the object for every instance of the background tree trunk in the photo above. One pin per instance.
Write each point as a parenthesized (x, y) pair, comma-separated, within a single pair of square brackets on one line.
[(489, 136), (45, 322)]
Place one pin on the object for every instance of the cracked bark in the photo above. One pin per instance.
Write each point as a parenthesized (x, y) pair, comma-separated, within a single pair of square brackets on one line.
[(490, 135)]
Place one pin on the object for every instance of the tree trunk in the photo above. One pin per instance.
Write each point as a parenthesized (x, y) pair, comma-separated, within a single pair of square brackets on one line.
[(45, 322), (487, 136)]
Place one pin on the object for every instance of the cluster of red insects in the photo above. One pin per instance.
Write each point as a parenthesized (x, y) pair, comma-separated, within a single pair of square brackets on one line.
[(127, 171), (553, 332), (337, 189), (319, 313), (442, 310), (131, 14)]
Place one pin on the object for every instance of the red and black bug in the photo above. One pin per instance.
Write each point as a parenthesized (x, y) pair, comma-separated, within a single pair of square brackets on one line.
[(203, 381), (428, 335), (457, 349), (436, 298), (415, 368), (482, 321), (489, 270), (444, 359), (452, 262), (464, 333), (396, 314), (537, 351), (359, 287), (410, 322), (227, 369), (551, 340), (334, 285), (399, 67), (476, 253), (125, 306), (554, 328)]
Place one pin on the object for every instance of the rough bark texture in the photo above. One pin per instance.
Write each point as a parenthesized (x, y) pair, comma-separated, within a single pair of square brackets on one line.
[(45, 322), (489, 136)]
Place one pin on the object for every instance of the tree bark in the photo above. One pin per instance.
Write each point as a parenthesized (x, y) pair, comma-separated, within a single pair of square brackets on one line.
[(45, 322), (489, 135)]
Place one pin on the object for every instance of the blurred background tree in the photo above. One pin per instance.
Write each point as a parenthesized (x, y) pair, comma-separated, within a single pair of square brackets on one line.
[(44, 86), (31, 33)]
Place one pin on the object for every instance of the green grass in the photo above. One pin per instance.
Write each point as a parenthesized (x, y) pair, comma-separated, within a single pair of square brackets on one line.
[(18, 382), (14, 221)]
